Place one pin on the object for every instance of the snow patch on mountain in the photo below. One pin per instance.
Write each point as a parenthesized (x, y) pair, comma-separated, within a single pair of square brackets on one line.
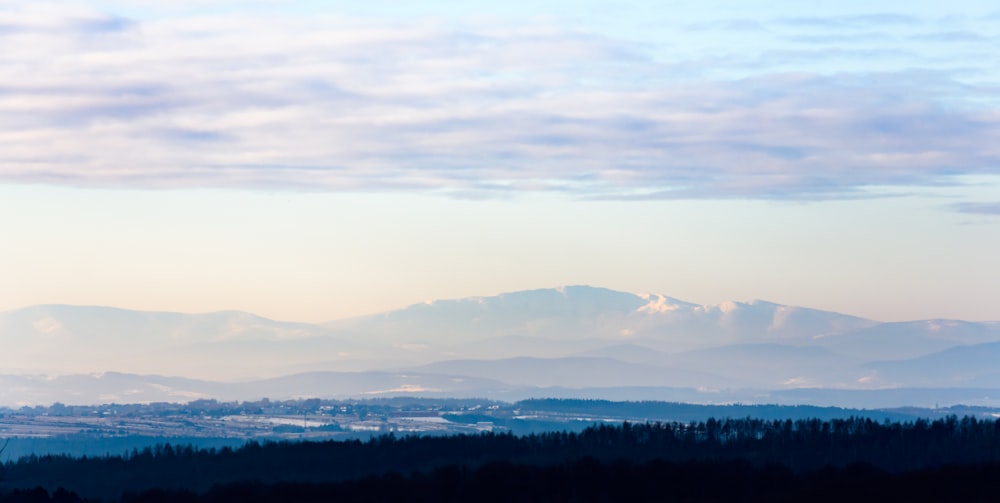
[(661, 304)]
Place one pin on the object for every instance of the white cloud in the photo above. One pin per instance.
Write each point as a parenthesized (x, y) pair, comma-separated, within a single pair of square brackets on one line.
[(475, 109)]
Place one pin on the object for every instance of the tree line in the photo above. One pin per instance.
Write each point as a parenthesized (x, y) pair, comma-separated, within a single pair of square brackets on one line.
[(734, 453)]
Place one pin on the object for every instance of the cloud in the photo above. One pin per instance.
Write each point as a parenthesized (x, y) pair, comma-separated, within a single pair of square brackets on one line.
[(852, 22), (737, 25), (826, 38), (978, 208), (475, 109), (951, 36)]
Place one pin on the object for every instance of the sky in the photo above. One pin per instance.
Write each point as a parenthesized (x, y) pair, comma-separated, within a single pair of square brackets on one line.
[(312, 161)]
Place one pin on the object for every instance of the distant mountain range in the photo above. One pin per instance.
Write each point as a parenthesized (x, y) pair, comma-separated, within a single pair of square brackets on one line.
[(561, 341)]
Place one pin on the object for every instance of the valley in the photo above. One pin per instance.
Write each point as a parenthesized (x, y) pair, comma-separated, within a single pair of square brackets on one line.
[(97, 430)]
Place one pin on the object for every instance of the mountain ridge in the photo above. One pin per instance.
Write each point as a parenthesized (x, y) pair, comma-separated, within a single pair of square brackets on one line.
[(646, 340)]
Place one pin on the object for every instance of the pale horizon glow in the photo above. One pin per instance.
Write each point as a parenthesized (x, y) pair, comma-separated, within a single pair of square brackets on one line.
[(311, 161)]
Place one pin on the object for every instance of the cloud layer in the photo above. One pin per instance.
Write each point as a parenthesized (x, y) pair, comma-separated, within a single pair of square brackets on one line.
[(485, 108)]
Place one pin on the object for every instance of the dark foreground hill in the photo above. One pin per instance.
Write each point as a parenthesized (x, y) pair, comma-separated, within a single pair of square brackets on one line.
[(588, 480), (734, 460)]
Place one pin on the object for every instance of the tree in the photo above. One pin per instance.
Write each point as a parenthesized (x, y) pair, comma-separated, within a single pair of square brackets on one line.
[(2, 465)]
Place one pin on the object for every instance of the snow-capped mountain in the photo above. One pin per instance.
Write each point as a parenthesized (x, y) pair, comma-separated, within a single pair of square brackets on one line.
[(580, 312), (568, 338)]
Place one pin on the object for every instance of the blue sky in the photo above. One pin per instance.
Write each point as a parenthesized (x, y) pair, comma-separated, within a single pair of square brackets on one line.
[(313, 160)]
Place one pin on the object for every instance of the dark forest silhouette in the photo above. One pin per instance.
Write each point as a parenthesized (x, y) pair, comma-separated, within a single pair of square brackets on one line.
[(729, 459)]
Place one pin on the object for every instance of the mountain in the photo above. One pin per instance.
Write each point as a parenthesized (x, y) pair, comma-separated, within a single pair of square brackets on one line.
[(120, 326), (576, 313), (772, 366), (115, 387), (562, 340), (962, 366), (560, 314), (910, 339), (579, 372), (89, 339)]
